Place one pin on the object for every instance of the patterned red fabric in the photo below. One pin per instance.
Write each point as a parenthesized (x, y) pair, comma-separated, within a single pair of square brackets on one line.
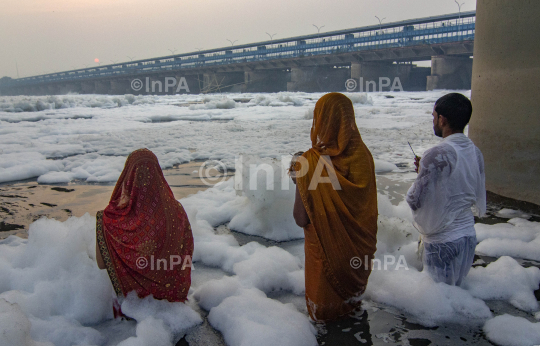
[(144, 235)]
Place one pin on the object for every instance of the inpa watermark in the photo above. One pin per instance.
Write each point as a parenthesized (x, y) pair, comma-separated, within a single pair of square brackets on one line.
[(377, 264), (372, 85), (169, 83), (164, 263), (277, 175)]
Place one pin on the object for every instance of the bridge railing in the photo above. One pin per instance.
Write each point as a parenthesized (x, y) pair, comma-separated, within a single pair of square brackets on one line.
[(370, 38)]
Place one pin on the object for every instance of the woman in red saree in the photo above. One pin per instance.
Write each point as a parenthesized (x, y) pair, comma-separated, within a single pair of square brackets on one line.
[(144, 238), (336, 203)]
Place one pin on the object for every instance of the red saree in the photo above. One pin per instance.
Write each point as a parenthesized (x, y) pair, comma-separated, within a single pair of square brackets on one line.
[(144, 235)]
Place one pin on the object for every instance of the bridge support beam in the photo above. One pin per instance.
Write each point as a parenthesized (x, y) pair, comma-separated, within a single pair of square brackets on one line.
[(266, 80), (46, 90), (63, 89), (120, 87), (380, 76), (102, 87), (223, 82), (505, 124), (88, 87), (318, 79), (450, 72)]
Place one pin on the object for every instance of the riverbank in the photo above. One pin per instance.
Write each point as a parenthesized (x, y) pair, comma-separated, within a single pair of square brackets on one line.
[(22, 203)]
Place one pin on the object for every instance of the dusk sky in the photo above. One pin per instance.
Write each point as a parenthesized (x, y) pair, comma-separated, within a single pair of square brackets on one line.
[(43, 36)]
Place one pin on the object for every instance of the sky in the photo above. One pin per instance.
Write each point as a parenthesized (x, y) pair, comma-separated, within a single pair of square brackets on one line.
[(45, 36)]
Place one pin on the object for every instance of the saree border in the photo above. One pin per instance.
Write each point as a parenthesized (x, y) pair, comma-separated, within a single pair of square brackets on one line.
[(106, 255)]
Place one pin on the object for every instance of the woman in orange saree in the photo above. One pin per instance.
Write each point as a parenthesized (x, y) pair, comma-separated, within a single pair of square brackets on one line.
[(336, 203), (143, 235)]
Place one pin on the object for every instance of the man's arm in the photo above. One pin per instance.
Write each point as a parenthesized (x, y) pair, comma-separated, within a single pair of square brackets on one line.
[(430, 169)]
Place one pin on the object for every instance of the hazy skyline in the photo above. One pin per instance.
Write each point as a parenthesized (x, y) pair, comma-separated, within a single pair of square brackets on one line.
[(43, 36)]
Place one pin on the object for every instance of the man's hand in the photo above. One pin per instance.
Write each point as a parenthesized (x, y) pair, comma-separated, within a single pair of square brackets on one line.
[(417, 163)]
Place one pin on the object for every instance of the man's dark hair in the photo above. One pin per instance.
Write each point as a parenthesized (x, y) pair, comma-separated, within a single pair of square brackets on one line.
[(455, 107)]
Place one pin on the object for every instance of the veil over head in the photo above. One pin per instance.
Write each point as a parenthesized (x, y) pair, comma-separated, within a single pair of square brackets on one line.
[(343, 219), (144, 235)]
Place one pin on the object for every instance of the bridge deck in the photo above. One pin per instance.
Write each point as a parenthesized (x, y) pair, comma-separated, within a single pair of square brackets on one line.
[(423, 31)]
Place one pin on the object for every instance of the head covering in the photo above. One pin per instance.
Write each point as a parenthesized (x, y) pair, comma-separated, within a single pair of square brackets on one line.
[(144, 235), (344, 217)]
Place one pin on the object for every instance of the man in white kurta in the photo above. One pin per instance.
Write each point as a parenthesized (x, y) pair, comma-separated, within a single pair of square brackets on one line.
[(449, 190)]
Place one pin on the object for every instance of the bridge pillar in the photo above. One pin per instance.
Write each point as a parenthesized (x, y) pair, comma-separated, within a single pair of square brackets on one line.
[(121, 87), (192, 83), (223, 82), (380, 76), (450, 72), (88, 87), (266, 80), (102, 87), (66, 88), (318, 78), (505, 124), (46, 90)]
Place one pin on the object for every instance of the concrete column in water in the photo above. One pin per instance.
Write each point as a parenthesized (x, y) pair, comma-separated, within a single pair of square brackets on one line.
[(318, 78), (380, 76), (223, 81), (102, 87), (266, 80), (88, 87), (505, 124), (450, 72)]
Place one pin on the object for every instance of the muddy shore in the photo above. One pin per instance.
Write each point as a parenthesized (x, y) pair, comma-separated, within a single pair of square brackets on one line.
[(22, 203)]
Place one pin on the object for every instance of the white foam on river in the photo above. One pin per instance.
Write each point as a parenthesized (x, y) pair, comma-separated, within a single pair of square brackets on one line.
[(51, 290)]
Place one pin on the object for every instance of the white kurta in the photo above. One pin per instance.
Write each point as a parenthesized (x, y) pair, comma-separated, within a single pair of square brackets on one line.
[(449, 186)]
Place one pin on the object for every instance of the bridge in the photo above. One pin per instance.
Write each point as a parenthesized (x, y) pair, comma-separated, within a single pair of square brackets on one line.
[(318, 62)]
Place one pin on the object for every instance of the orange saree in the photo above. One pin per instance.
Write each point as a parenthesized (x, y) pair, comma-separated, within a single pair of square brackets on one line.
[(336, 180), (144, 235)]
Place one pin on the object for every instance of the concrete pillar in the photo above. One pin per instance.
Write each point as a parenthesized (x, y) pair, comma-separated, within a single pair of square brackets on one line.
[(47, 90), (223, 82), (318, 79), (102, 87), (380, 76), (192, 82), (266, 80), (121, 87), (70, 87), (450, 72), (88, 87), (505, 124)]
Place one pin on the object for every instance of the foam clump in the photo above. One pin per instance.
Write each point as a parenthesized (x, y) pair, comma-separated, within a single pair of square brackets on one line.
[(384, 167), (506, 213), (17, 104), (251, 318), (161, 322), (15, 327), (518, 238), (271, 269), (512, 331), (360, 98), (51, 281), (505, 279), (14, 166), (275, 100), (427, 302), (268, 194), (245, 316), (212, 102)]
